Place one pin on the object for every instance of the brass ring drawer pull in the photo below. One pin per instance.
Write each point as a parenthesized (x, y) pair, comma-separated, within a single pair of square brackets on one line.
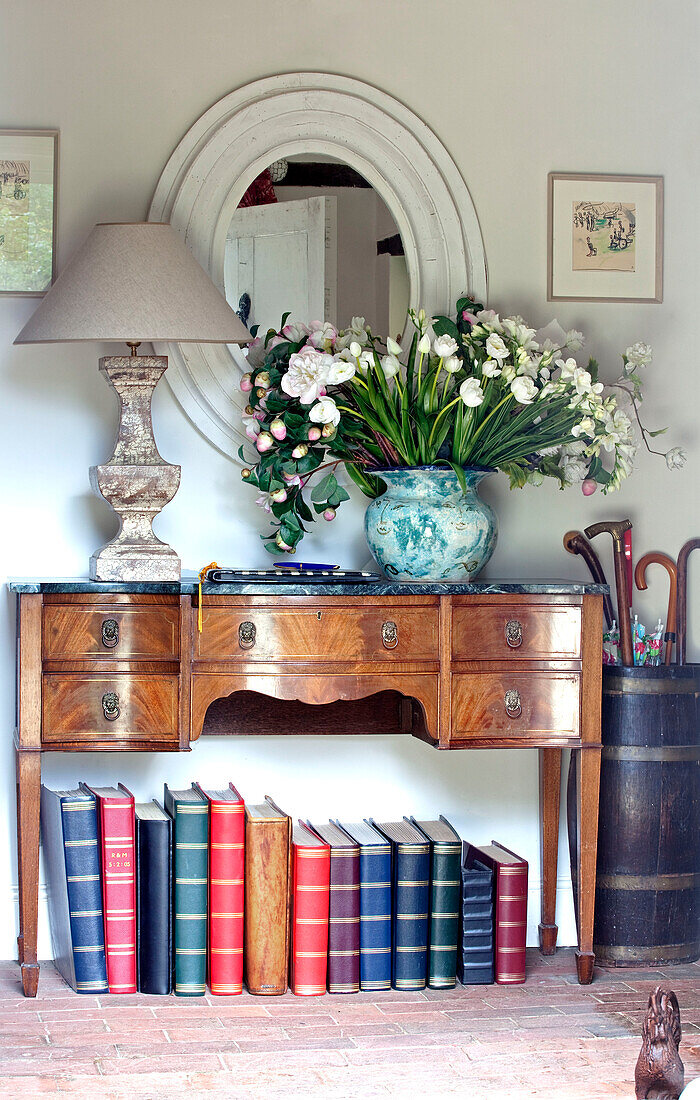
[(246, 635), (110, 706), (390, 635), (512, 701), (110, 633), (514, 633)]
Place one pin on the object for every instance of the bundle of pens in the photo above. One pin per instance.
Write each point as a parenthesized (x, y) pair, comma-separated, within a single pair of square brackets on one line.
[(629, 644)]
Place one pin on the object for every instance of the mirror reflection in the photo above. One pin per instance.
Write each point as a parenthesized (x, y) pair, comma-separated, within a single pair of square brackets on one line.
[(313, 237)]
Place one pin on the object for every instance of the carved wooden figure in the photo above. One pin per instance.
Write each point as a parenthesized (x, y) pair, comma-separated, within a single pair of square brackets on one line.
[(659, 1073)]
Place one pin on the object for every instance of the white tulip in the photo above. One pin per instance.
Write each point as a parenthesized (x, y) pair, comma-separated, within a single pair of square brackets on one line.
[(392, 347), (340, 371), (452, 364), (523, 389), (491, 368), (424, 344), (390, 366), (444, 346), (496, 348), (471, 393), (355, 349)]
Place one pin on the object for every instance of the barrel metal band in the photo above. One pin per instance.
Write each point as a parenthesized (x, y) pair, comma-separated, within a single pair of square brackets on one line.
[(660, 951), (617, 685), (666, 754), (648, 882)]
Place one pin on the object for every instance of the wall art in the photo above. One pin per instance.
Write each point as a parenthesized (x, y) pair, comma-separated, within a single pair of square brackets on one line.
[(28, 195)]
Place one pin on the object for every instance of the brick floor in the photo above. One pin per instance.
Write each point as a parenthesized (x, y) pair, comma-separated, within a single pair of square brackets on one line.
[(549, 1039)]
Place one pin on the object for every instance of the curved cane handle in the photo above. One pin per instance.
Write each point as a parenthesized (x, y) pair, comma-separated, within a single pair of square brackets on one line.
[(655, 557)]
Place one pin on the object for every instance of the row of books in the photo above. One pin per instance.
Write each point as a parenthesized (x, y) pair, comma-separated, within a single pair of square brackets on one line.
[(162, 899)]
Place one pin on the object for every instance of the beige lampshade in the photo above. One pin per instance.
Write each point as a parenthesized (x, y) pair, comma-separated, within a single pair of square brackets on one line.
[(134, 281)]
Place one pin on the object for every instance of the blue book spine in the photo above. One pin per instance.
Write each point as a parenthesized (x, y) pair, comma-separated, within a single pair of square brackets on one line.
[(375, 917), (411, 910), (84, 886)]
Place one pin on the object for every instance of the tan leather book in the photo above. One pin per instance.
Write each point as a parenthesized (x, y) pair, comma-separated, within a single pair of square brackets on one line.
[(267, 865)]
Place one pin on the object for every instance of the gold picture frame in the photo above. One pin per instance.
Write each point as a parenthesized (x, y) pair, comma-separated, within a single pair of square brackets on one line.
[(604, 238), (28, 210)]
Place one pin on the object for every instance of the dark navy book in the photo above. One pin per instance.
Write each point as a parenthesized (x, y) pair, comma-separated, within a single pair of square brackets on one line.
[(375, 905), (410, 880), (74, 887), (154, 849), (475, 956)]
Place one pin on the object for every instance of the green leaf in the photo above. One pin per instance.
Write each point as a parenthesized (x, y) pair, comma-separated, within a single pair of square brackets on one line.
[(460, 475), (659, 431), (324, 488), (285, 317), (443, 326)]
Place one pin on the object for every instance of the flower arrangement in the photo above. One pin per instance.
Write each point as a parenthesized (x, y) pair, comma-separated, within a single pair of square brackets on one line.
[(470, 391)]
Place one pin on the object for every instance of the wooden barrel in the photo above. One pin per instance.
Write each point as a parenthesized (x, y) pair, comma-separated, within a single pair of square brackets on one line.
[(647, 908)]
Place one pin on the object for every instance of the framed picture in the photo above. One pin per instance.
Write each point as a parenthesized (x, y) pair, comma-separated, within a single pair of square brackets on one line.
[(28, 196), (604, 238)]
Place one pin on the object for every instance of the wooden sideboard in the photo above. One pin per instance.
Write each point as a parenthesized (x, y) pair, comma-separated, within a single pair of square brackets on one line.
[(125, 668)]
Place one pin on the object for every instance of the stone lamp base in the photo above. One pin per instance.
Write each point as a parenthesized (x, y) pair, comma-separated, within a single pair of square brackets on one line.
[(136, 481)]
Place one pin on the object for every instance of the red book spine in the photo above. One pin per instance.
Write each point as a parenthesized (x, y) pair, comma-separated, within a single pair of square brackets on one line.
[(119, 891), (226, 872), (511, 923), (311, 869)]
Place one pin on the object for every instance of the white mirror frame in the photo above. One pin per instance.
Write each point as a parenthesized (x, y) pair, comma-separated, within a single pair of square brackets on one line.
[(242, 134)]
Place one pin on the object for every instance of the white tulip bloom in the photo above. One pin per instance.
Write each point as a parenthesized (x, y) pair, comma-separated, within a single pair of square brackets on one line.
[(444, 346), (523, 389), (491, 368), (355, 349), (424, 344), (452, 364), (392, 347), (390, 366), (340, 371), (471, 393), (325, 411), (496, 348)]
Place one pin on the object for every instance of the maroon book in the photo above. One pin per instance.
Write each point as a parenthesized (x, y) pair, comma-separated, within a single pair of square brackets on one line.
[(510, 910), (344, 913)]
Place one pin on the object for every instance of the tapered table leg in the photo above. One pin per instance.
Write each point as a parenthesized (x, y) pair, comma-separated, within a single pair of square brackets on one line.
[(550, 786), (587, 805), (28, 800)]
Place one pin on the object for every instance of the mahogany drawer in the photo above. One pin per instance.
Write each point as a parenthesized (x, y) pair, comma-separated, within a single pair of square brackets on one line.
[(517, 704), (93, 706), (117, 632), (491, 631), (364, 633)]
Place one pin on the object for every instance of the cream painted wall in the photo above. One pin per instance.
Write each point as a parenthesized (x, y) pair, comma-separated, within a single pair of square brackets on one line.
[(514, 90)]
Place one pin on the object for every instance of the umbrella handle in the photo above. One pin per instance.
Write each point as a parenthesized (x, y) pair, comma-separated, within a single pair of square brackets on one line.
[(657, 558)]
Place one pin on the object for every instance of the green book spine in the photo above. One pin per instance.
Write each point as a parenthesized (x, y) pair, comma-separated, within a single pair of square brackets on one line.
[(444, 914), (190, 868)]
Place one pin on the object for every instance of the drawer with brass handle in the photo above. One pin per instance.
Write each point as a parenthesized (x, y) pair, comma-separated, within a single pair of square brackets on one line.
[(497, 631), (323, 634), (93, 707), (111, 633), (519, 704)]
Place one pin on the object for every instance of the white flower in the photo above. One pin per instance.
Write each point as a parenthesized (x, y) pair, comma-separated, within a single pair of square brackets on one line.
[(508, 372), (675, 458), (523, 389), (584, 427), (265, 502), (424, 344), (295, 331), (325, 411), (527, 366), (491, 368), (340, 371), (552, 337), (489, 317), (366, 361), (307, 374), (444, 346), (452, 364), (323, 335), (575, 470), (356, 333), (524, 336), (496, 348), (390, 366), (252, 426), (392, 347), (355, 349), (638, 355), (471, 392), (574, 340)]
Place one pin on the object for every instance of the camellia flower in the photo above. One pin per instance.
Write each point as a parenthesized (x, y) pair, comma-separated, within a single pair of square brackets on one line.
[(322, 335), (307, 374), (278, 495), (471, 392), (252, 426), (329, 514), (496, 348), (638, 355), (444, 346), (491, 368), (295, 331), (523, 389), (675, 458), (279, 541), (390, 366), (452, 364), (291, 479), (325, 411), (340, 371), (264, 501)]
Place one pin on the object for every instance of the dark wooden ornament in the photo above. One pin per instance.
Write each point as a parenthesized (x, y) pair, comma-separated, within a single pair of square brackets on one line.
[(659, 1073)]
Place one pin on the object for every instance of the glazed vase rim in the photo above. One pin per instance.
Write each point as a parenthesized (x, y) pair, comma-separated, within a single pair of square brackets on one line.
[(432, 467)]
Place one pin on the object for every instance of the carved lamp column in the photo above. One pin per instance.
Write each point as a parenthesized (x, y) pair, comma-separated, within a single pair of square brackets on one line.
[(134, 282)]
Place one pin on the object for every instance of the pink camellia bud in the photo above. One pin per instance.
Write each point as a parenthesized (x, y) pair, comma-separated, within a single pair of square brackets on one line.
[(246, 383), (292, 479), (278, 495), (279, 541), (278, 428), (245, 473), (329, 514), (313, 433), (300, 450), (264, 442), (588, 487), (328, 431), (262, 380)]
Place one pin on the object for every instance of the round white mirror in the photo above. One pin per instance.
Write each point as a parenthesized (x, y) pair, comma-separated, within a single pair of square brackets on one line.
[(315, 119)]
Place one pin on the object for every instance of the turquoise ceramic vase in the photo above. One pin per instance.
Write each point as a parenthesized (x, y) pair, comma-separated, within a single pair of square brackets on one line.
[(424, 527)]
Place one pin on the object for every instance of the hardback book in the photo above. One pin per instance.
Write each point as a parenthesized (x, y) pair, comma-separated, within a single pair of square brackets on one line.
[(410, 893), (375, 905), (344, 909), (226, 871), (443, 929), (73, 884), (266, 924), (115, 823), (154, 944), (190, 813), (311, 870), (475, 955), (510, 909)]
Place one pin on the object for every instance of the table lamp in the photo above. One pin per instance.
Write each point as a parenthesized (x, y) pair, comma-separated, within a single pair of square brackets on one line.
[(134, 282)]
